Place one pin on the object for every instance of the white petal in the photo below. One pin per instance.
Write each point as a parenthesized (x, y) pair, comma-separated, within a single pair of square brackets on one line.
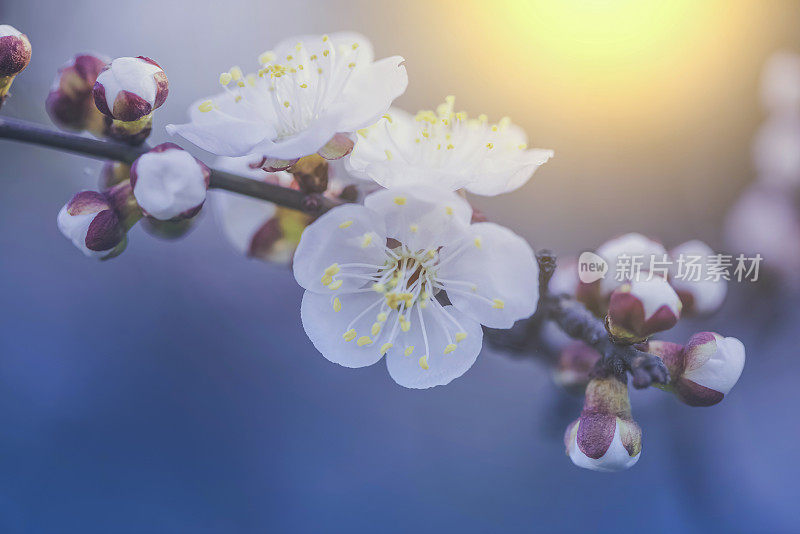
[(503, 269), (442, 368), (616, 457), (227, 130), (325, 327), (421, 216), (306, 142), (339, 237), (169, 183), (370, 93), (240, 217), (75, 228), (723, 369)]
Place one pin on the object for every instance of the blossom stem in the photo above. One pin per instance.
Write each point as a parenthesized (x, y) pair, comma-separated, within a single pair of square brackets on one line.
[(31, 133)]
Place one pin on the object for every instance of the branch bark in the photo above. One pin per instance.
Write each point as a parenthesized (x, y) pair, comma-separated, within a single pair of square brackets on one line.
[(26, 132), (578, 322)]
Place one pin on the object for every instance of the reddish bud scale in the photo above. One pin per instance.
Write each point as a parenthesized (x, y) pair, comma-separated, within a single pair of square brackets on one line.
[(143, 80), (15, 54)]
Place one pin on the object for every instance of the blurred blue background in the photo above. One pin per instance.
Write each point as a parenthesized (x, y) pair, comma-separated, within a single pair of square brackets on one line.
[(173, 389)]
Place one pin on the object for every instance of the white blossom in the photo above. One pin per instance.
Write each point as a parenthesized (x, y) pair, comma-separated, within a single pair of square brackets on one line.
[(448, 149), (310, 94), (372, 274)]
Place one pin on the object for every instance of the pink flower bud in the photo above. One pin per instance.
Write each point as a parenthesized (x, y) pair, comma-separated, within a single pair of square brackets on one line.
[(92, 224), (15, 51), (605, 437), (70, 103), (698, 294), (575, 362), (130, 88), (711, 366), (168, 183), (642, 308)]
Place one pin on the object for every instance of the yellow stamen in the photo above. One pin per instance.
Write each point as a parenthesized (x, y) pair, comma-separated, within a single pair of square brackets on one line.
[(409, 350), (336, 285), (498, 304), (460, 336), (423, 362), (206, 106), (350, 335), (364, 340), (345, 224), (376, 329), (225, 78), (385, 348), (400, 201), (450, 348), (366, 240), (236, 73), (337, 305)]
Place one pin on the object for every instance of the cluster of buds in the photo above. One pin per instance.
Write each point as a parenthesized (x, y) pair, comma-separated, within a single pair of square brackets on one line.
[(655, 298), (605, 437), (15, 54), (70, 103), (127, 91), (704, 370)]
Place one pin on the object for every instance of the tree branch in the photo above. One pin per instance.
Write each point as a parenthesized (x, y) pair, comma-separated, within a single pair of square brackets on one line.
[(578, 322), (27, 132)]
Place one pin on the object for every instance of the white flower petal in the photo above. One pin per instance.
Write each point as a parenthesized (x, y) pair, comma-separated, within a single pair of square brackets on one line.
[(723, 368), (417, 215), (447, 149), (326, 327), (615, 459), (409, 371), (344, 235), (225, 130), (371, 92), (501, 268)]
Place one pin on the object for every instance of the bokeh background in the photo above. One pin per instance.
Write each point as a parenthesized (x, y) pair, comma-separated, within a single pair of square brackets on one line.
[(173, 389)]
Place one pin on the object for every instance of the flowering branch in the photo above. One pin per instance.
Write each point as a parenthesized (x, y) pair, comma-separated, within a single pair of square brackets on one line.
[(579, 323), (27, 132)]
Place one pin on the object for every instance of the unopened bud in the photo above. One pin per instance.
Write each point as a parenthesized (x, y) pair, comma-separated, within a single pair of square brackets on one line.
[(169, 183), (70, 104), (618, 253), (699, 294), (130, 88), (15, 54), (712, 365), (640, 309), (575, 363), (90, 221), (605, 437), (15, 51)]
